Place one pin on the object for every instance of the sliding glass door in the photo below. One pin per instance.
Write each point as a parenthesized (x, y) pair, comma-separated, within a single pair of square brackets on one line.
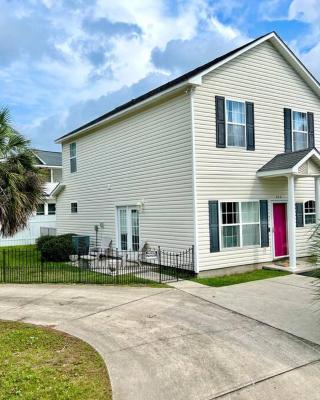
[(128, 228)]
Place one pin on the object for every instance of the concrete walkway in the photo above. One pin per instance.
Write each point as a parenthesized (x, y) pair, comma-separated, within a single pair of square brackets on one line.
[(185, 343), (290, 303)]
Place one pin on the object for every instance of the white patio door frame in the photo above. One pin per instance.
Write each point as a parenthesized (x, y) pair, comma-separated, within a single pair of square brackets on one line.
[(129, 227)]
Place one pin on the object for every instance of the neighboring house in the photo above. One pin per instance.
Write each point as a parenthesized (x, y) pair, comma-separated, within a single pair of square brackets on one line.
[(221, 157), (44, 219)]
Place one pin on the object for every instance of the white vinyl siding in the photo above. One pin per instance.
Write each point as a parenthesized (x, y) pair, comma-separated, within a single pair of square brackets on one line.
[(146, 158), (264, 77)]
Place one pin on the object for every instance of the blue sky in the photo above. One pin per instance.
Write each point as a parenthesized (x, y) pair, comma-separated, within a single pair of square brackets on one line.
[(65, 62)]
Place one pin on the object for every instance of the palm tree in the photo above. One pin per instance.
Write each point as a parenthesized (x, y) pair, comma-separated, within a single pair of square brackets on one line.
[(21, 183)]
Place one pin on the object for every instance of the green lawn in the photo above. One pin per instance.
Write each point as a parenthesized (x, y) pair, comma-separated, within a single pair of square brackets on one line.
[(23, 265), (40, 363), (240, 278)]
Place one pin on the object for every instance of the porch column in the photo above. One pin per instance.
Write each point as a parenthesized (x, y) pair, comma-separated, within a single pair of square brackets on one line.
[(291, 222), (317, 197)]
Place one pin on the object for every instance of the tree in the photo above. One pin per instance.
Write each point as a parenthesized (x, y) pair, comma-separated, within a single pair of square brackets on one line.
[(21, 183)]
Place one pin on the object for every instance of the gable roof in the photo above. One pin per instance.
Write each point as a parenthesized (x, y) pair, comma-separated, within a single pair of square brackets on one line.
[(194, 77), (284, 160), (288, 162), (50, 158)]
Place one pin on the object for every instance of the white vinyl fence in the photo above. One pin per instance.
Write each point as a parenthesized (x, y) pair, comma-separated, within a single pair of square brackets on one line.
[(38, 226)]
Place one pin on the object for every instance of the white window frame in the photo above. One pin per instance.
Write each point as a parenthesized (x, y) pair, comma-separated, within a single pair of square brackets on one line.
[(129, 226), (233, 123), (308, 213), (240, 223), (293, 131), (74, 157), (73, 212)]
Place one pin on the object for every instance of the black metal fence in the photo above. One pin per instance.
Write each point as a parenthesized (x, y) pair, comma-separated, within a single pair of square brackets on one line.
[(110, 267)]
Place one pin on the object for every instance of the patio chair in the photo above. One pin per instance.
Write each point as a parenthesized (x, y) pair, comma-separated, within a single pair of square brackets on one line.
[(102, 250)]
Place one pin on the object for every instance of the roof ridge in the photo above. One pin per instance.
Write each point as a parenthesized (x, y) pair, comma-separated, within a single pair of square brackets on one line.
[(47, 151)]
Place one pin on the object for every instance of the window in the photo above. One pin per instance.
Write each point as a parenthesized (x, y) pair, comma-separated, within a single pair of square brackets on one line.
[(40, 209), (73, 157), (74, 208), (250, 218), (57, 175), (300, 130), (123, 229), (230, 224), (310, 212), (135, 229), (128, 228), (236, 123), (240, 224), (46, 174), (51, 209)]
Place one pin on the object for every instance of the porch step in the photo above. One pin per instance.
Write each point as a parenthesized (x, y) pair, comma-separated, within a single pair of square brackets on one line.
[(302, 266)]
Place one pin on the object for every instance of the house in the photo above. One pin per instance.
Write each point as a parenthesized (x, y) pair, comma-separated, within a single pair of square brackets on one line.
[(44, 219), (223, 158)]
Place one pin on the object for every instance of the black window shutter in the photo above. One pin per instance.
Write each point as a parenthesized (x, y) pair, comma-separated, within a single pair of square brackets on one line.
[(220, 122), (299, 215), (311, 130), (250, 126), (264, 223), (214, 226), (287, 130)]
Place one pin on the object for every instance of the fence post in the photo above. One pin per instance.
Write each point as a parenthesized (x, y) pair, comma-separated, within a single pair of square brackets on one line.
[(41, 265), (192, 258), (159, 263), (79, 267), (4, 265), (177, 266), (117, 265)]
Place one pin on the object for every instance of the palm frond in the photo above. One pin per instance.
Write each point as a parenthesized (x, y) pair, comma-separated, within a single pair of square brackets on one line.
[(21, 183)]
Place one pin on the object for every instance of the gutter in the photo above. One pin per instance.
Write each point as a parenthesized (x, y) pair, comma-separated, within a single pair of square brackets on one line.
[(57, 190)]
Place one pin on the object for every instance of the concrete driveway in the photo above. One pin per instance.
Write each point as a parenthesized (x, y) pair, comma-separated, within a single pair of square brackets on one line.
[(185, 343)]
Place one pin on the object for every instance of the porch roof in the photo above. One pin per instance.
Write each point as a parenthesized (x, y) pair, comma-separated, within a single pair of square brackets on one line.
[(291, 163)]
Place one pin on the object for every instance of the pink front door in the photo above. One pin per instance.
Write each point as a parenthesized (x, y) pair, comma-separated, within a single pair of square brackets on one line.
[(280, 229)]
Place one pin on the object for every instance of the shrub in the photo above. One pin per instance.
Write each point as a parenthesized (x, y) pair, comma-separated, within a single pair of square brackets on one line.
[(58, 248), (42, 240)]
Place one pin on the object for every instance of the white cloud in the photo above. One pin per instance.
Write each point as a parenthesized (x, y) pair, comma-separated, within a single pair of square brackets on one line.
[(305, 10), (66, 81), (127, 58), (307, 44), (271, 10), (226, 31)]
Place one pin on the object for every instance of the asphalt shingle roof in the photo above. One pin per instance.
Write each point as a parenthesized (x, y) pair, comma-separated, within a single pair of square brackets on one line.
[(52, 158), (284, 160)]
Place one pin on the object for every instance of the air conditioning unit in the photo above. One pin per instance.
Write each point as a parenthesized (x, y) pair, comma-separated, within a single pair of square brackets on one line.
[(81, 244)]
